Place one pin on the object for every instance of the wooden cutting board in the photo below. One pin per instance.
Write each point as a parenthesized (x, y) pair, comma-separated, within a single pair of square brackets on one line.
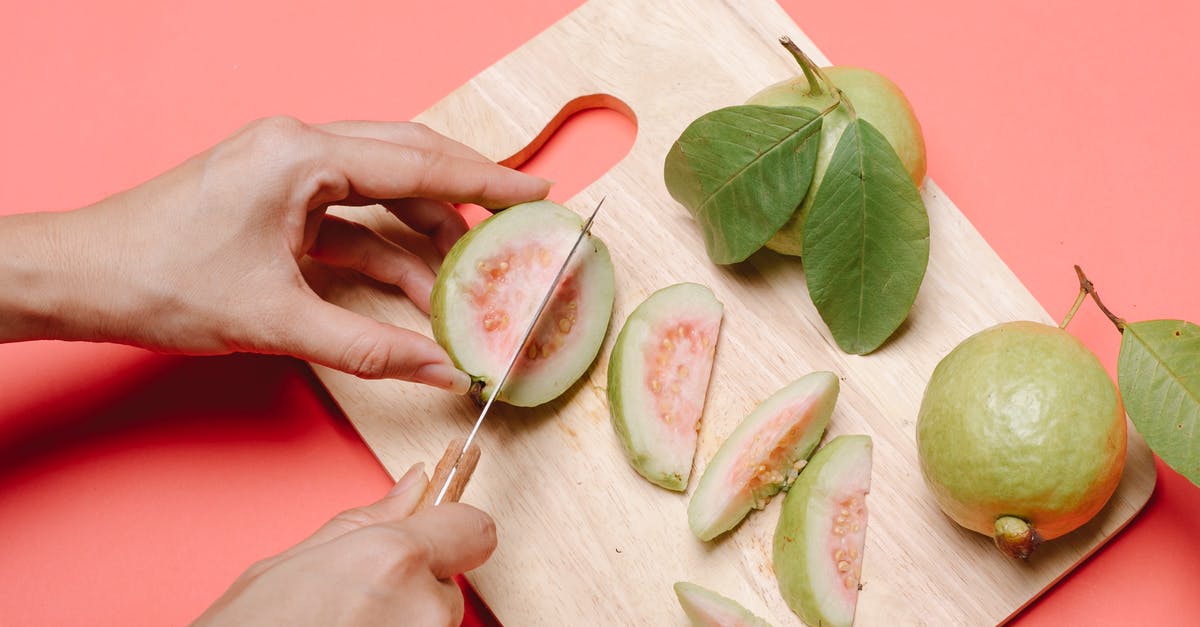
[(583, 538)]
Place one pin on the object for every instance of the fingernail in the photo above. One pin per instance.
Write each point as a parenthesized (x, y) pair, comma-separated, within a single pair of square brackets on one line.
[(548, 182), (443, 376), (409, 479)]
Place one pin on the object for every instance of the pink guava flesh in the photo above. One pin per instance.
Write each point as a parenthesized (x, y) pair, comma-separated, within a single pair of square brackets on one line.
[(658, 377), (678, 362), (763, 455)]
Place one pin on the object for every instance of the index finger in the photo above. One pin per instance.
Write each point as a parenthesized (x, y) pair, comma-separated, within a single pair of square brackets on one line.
[(456, 537), (411, 134), (383, 170)]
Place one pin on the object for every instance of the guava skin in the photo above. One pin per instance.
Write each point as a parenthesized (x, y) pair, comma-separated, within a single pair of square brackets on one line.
[(874, 98), (705, 608), (817, 558), (1021, 420)]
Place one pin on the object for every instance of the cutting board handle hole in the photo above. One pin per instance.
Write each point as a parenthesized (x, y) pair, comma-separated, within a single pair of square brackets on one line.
[(585, 139)]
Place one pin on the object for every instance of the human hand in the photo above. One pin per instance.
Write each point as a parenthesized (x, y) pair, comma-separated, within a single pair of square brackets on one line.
[(375, 565), (204, 259)]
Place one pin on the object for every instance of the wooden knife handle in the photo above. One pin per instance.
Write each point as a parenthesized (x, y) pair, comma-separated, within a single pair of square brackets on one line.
[(466, 468)]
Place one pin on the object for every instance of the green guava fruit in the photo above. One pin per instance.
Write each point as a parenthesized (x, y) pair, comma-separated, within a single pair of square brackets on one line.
[(705, 608), (762, 455), (658, 377), (873, 97), (1021, 434), (493, 280), (819, 541)]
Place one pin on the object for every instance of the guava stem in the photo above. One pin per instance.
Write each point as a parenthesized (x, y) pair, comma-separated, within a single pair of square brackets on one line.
[(475, 393), (1086, 286), (816, 77), (806, 64), (1074, 308), (1016, 537)]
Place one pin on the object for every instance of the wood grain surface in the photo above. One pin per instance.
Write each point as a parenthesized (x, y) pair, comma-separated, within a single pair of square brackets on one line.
[(583, 538)]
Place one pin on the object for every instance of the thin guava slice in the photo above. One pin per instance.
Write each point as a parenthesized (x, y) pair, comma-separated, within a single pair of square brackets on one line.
[(819, 541), (705, 608), (658, 376), (763, 454), (493, 280)]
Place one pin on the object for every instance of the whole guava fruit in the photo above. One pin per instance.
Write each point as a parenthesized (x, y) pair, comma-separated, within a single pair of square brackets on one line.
[(873, 97), (1021, 434)]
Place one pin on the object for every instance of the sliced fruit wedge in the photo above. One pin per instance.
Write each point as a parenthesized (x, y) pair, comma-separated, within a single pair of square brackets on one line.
[(705, 608), (492, 282), (658, 378), (763, 454), (822, 529)]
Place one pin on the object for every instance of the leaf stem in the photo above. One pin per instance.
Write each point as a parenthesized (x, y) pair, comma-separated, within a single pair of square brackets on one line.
[(1085, 285), (806, 64)]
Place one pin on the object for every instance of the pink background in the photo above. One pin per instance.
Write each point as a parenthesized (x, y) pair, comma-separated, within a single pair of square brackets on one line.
[(135, 487)]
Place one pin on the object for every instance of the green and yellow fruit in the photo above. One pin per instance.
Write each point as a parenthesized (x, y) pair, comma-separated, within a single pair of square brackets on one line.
[(1021, 435), (874, 98)]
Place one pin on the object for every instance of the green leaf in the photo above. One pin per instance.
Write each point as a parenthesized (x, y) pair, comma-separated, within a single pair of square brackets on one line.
[(866, 241), (1159, 375), (742, 171)]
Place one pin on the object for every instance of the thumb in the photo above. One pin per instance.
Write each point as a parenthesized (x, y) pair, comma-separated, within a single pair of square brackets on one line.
[(398, 504), (324, 333)]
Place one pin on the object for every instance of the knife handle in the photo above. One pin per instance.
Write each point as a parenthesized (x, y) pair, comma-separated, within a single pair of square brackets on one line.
[(466, 467)]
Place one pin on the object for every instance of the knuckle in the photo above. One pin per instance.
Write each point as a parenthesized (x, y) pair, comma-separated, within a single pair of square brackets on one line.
[(280, 134), (406, 553), (277, 125), (257, 569), (452, 222), (368, 357), (402, 269), (272, 143), (429, 165), (355, 518), (421, 128)]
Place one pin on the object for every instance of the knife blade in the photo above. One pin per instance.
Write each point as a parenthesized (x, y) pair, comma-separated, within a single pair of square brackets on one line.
[(464, 455)]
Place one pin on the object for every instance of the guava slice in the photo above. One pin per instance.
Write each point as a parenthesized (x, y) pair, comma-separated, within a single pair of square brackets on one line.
[(763, 454), (705, 608), (658, 377), (493, 280), (822, 529)]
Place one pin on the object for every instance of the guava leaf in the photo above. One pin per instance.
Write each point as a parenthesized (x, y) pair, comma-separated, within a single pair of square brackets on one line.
[(1158, 372), (866, 241), (742, 172)]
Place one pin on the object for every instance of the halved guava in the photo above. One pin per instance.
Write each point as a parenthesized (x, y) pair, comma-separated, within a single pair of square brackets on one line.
[(763, 454), (705, 608), (493, 280), (658, 377), (821, 532)]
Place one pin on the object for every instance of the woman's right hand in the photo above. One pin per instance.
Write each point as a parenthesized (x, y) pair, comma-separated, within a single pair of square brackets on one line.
[(381, 564)]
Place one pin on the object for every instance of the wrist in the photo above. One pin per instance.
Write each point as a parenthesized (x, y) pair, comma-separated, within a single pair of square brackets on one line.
[(50, 278), (30, 301)]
